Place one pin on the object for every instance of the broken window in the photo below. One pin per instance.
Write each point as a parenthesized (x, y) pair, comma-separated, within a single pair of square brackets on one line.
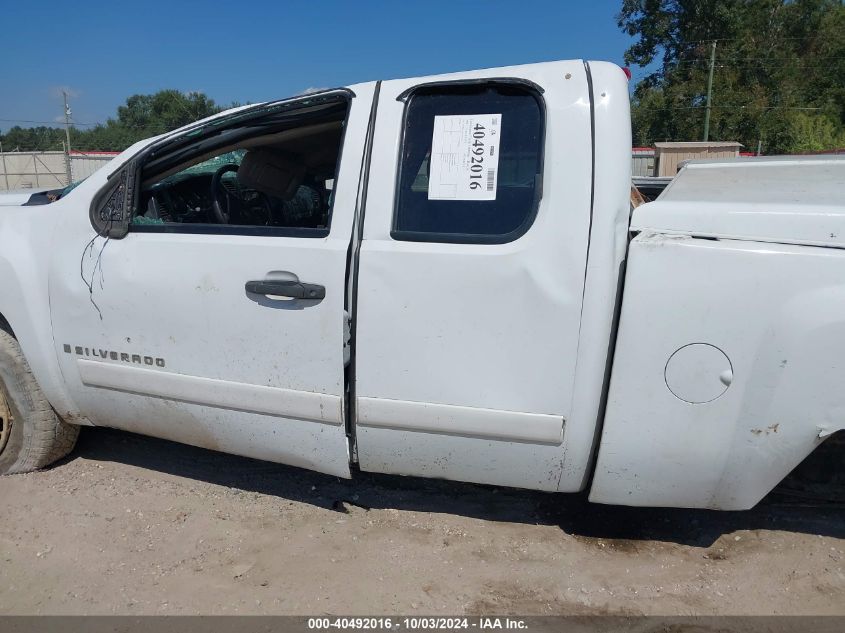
[(270, 175)]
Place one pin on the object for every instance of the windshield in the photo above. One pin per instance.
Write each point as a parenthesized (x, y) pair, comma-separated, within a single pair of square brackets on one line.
[(209, 166), (71, 187)]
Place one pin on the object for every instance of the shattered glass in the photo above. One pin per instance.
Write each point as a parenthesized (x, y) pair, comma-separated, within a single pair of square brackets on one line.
[(208, 166)]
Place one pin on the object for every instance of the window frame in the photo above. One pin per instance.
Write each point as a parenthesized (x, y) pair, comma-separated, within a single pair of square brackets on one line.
[(175, 143), (406, 97)]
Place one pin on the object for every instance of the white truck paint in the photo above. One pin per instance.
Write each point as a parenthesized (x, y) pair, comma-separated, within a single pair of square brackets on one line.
[(504, 363)]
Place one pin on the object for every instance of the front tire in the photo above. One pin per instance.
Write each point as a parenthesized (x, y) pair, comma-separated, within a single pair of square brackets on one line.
[(31, 434)]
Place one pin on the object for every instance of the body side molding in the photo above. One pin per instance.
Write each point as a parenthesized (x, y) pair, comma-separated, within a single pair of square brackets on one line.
[(403, 415), (212, 392)]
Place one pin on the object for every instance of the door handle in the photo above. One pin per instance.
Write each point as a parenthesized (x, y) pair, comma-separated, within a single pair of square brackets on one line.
[(286, 288)]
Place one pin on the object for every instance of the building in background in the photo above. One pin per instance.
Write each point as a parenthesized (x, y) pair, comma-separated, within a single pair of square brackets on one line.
[(652, 169), (668, 156), (37, 170), (642, 162)]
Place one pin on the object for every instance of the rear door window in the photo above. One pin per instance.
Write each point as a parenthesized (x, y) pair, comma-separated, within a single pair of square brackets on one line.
[(471, 163)]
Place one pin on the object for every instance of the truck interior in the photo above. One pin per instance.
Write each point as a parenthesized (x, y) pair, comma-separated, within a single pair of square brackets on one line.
[(276, 171)]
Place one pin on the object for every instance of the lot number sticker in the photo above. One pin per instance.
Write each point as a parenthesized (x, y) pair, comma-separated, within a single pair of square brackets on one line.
[(464, 157)]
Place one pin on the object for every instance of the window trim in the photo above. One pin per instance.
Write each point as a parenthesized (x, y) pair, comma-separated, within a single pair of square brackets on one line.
[(406, 97), (153, 152)]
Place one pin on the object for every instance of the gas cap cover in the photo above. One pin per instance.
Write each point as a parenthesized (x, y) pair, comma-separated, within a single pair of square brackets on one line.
[(698, 373)]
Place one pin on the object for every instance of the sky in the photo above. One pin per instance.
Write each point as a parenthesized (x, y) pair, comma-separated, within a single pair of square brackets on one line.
[(255, 51)]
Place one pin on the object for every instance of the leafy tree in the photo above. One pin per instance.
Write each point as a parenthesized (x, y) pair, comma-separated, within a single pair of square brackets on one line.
[(778, 75), (142, 116), (164, 111), (32, 138)]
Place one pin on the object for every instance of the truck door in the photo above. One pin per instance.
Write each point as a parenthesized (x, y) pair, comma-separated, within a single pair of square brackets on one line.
[(471, 274), (219, 319)]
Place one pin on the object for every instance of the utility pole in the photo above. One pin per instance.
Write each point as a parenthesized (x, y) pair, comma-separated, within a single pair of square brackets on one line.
[(67, 135), (5, 171), (709, 90)]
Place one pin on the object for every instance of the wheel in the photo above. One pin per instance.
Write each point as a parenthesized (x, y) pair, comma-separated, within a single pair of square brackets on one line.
[(31, 434)]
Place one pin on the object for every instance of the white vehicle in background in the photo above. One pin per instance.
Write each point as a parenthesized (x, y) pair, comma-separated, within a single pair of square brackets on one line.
[(437, 277)]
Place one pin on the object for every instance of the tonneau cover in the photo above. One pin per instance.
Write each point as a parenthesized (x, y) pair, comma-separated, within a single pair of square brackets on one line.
[(790, 200)]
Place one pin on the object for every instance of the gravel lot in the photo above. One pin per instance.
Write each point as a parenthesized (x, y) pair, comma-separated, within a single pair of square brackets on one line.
[(133, 525)]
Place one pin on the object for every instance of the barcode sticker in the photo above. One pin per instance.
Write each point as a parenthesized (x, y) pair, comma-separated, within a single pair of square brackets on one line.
[(464, 157)]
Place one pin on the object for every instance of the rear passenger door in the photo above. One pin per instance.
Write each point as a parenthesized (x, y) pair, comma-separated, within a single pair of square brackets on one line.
[(471, 273)]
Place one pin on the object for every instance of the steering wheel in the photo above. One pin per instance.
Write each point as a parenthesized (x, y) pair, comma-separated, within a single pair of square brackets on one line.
[(223, 202)]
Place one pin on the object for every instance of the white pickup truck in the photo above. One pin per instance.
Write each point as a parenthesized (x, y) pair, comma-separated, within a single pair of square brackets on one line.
[(438, 277)]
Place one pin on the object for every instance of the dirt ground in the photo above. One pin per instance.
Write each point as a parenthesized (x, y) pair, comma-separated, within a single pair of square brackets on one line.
[(132, 525)]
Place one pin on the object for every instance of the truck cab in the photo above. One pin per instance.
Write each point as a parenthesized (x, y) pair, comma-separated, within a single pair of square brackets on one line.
[(420, 277)]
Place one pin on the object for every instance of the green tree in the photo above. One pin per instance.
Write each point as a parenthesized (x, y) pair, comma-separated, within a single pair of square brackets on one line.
[(778, 75), (32, 139), (164, 111), (140, 117)]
